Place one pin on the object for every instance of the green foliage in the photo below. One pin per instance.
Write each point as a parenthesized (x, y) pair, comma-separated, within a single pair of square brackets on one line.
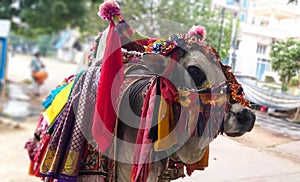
[(284, 87), (293, 1), (44, 43), (285, 58), (92, 22), (7, 10), (295, 81), (47, 16), (186, 12)]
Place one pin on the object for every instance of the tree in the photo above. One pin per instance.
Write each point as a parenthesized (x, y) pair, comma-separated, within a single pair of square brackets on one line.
[(285, 58), (293, 1), (7, 9), (186, 12), (45, 16), (92, 22), (48, 16), (52, 15)]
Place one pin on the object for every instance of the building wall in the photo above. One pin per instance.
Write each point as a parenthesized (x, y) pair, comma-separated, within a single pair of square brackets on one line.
[(246, 57), (253, 51), (255, 36)]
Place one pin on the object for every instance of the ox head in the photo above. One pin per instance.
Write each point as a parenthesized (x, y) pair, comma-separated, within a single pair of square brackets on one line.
[(203, 65), (200, 66), (197, 67)]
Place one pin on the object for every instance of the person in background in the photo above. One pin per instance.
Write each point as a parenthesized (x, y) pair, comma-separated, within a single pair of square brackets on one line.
[(38, 73)]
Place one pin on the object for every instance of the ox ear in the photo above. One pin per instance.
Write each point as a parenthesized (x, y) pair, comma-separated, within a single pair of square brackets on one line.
[(156, 62)]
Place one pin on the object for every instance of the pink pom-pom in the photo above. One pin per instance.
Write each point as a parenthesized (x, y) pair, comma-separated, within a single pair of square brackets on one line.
[(109, 9), (198, 30)]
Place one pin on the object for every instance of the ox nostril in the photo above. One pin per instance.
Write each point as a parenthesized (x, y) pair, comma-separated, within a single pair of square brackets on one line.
[(241, 117), (247, 118)]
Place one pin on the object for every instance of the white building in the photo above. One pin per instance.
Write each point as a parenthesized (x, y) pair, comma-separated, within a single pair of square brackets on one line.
[(261, 23)]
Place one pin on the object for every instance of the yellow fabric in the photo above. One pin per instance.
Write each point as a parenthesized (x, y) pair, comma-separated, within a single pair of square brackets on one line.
[(166, 137), (57, 104), (69, 167), (46, 165)]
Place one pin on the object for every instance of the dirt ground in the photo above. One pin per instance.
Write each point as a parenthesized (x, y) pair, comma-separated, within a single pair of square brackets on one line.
[(14, 159)]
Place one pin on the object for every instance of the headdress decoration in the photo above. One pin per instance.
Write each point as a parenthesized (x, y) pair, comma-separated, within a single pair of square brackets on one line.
[(197, 31), (109, 10)]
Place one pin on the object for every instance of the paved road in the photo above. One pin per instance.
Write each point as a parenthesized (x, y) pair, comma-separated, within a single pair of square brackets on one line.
[(278, 125), (235, 162)]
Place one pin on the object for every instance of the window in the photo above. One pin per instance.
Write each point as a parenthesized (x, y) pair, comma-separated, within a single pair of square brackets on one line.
[(244, 5), (237, 45), (262, 66), (232, 2), (261, 49), (225, 61), (243, 17), (229, 2)]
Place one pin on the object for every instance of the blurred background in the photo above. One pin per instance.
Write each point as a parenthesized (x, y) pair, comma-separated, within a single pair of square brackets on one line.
[(259, 39)]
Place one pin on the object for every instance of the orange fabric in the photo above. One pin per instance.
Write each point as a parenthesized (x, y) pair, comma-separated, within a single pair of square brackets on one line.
[(203, 163), (40, 76), (31, 170)]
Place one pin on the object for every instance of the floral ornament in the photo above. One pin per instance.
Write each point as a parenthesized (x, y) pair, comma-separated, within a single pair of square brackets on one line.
[(187, 98), (181, 40), (160, 47), (237, 94), (197, 31), (130, 55), (92, 54), (108, 10)]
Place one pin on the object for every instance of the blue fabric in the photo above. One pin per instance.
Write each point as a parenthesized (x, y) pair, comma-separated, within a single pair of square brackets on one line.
[(54, 92), (35, 65), (62, 39)]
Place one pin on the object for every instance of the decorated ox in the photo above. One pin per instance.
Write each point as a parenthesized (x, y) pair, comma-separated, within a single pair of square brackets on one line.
[(144, 110)]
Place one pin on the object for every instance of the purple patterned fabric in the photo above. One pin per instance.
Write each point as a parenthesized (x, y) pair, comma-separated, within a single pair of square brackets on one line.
[(64, 155)]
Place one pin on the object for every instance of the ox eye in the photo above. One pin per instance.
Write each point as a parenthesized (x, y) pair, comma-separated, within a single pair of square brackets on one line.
[(197, 75)]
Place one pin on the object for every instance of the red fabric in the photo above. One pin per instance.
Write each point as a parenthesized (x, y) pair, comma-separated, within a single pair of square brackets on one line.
[(144, 146), (190, 168), (168, 90), (108, 91), (146, 42), (40, 155), (170, 68), (142, 152)]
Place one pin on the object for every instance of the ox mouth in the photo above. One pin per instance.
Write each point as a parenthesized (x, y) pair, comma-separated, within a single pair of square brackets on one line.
[(235, 134)]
